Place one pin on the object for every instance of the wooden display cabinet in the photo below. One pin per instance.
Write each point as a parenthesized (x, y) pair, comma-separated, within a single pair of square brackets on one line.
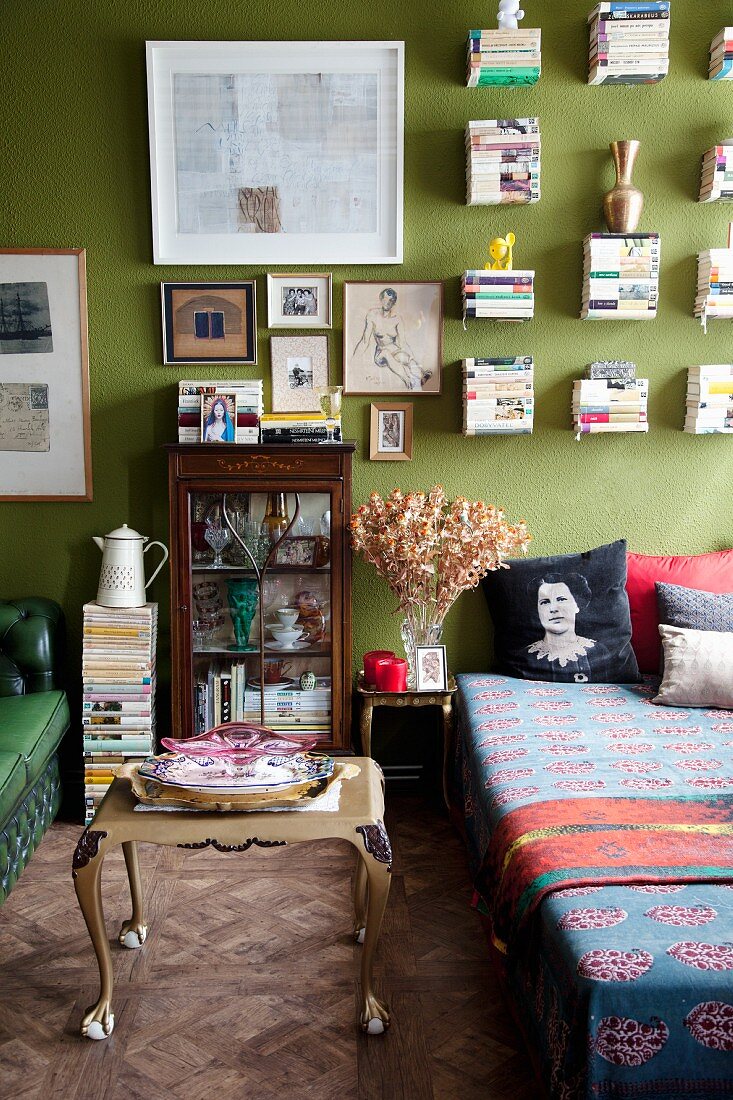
[(214, 673)]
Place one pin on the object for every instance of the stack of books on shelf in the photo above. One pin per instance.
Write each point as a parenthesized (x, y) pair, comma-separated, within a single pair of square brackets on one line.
[(714, 285), (503, 161), (296, 428), (620, 277), (227, 695), (710, 400), (498, 295), (118, 708), (629, 43), (610, 399), (503, 57), (716, 184), (244, 396), (498, 396), (721, 55)]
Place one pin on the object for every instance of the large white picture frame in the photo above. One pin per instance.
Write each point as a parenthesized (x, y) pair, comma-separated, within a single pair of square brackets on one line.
[(276, 152)]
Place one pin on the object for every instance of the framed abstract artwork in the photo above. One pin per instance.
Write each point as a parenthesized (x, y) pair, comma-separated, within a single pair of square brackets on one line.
[(299, 367), (299, 301), (45, 424), (393, 338), (276, 152), (209, 322), (390, 431)]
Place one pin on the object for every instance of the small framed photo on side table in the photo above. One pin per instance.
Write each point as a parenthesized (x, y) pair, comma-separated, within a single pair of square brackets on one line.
[(299, 301), (390, 435), (432, 670)]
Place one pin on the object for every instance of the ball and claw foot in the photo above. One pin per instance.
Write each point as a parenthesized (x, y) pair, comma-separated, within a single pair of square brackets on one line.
[(98, 1022), (359, 934), (133, 935), (374, 1019)]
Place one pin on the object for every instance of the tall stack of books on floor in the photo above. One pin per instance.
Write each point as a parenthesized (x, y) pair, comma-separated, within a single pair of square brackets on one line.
[(503, 57), (721, 56), (710, 400), (118, 708), (620, 277), (296, 428), (498, 396), (716, 183), (498, 295), (629, 43), (502, 161), (248, 394), (714, 285), (227, 695), (610, 399)]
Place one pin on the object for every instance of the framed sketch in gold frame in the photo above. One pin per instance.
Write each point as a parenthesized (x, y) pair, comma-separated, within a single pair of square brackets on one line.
[(45, 423), (393, 338), (390, 432)]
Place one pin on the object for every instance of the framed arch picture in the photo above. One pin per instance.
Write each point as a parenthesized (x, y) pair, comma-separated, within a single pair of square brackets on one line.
[(209, 322)]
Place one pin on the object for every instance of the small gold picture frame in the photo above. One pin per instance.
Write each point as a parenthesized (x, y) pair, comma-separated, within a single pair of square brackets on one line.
[(390, 434)]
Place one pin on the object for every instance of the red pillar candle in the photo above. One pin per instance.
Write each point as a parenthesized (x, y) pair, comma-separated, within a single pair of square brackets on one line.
[(370, 660), (391, 674)]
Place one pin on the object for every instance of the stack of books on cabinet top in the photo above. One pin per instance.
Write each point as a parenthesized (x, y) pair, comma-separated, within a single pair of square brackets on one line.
[(243, 409), (629, 43), (228, 695), (710, 400), (498, 396), (620, 277), (118, 707), (716, 184), (714, 285), (503, 57), (498, 295), (503, 161), (296, 428), (721, 55), (610, 399)]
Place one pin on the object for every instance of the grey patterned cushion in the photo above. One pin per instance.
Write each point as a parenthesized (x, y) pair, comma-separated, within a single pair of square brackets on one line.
[(698, 668), (693, 610)]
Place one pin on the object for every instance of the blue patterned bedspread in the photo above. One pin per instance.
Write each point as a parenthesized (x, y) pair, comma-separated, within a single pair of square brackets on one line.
[(625, 990)]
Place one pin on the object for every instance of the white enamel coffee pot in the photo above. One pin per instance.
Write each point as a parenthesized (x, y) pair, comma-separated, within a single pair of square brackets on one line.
[(122, 580)]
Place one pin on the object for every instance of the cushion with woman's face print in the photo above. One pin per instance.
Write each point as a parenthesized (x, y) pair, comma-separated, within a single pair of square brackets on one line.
[(564, 618)]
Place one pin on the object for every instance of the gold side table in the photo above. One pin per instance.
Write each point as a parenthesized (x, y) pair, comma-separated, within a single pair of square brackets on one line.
[(370, 698)]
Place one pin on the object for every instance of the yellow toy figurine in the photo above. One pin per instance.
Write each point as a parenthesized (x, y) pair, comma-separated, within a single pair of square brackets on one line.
[(500, 251)]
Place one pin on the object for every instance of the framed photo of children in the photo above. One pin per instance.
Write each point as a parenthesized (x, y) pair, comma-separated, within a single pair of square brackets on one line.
[(219, 418), (299, 301), (390, 432), (209, 322), (393, 338), (432, 670), (299, 365)]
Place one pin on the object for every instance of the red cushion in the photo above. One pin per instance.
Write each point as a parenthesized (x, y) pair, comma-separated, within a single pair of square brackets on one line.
[(706, 572)]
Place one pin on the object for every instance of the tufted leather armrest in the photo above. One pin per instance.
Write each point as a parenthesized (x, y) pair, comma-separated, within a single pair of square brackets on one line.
[(31, 640)]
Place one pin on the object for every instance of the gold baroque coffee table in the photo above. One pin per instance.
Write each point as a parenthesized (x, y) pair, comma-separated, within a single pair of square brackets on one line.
[(359, 819)]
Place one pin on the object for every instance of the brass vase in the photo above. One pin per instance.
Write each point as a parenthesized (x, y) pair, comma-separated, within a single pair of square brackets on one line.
[(623, 204)]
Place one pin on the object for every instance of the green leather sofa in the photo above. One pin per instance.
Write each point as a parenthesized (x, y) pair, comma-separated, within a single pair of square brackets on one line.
[(34, 716)]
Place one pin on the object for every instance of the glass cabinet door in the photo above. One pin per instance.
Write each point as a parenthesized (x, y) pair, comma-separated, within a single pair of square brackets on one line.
[(225, 611)]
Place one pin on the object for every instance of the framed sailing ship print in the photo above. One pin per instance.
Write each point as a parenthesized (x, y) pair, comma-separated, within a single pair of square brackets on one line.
[(276, 152), (45, 430)]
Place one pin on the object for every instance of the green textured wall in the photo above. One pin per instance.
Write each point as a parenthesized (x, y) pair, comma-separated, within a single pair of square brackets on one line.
[(74, 172)]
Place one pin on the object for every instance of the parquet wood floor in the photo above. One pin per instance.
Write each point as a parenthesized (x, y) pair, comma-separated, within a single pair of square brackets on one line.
[(246, 985)]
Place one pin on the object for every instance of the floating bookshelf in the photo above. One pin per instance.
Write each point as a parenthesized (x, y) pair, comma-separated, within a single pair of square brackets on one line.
[(714, 300), (502, 161), (498, 396), (716, 180), (629, 43), (721, 56), (498, 295), (620, 277), (709, 408), (610, 404), (503, 57)]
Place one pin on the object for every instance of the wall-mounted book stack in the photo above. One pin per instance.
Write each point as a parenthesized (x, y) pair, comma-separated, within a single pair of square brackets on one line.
[(616, 404), (498, 396), (248, 401), (716, 183), (503, 57), (629, 43), (118, 708), (721, 55), (502, 161), (714, 285), (620, 277), (498, 295), (710, 400)]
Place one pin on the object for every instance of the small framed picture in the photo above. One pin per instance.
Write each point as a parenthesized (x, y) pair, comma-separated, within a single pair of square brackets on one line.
[(299, 550), (299, 365), (209, 322), (432, 671), (299, 301), (393, 338), (219, 418), (390, 435)]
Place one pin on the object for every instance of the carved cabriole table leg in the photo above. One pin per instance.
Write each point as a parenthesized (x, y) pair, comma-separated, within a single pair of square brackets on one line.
[(377, 859), (98, 1021), (134, 931), (360, 898)]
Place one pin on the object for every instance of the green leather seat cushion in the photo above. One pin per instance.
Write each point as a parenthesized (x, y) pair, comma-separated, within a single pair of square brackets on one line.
[(12, 781), (33, 726)]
